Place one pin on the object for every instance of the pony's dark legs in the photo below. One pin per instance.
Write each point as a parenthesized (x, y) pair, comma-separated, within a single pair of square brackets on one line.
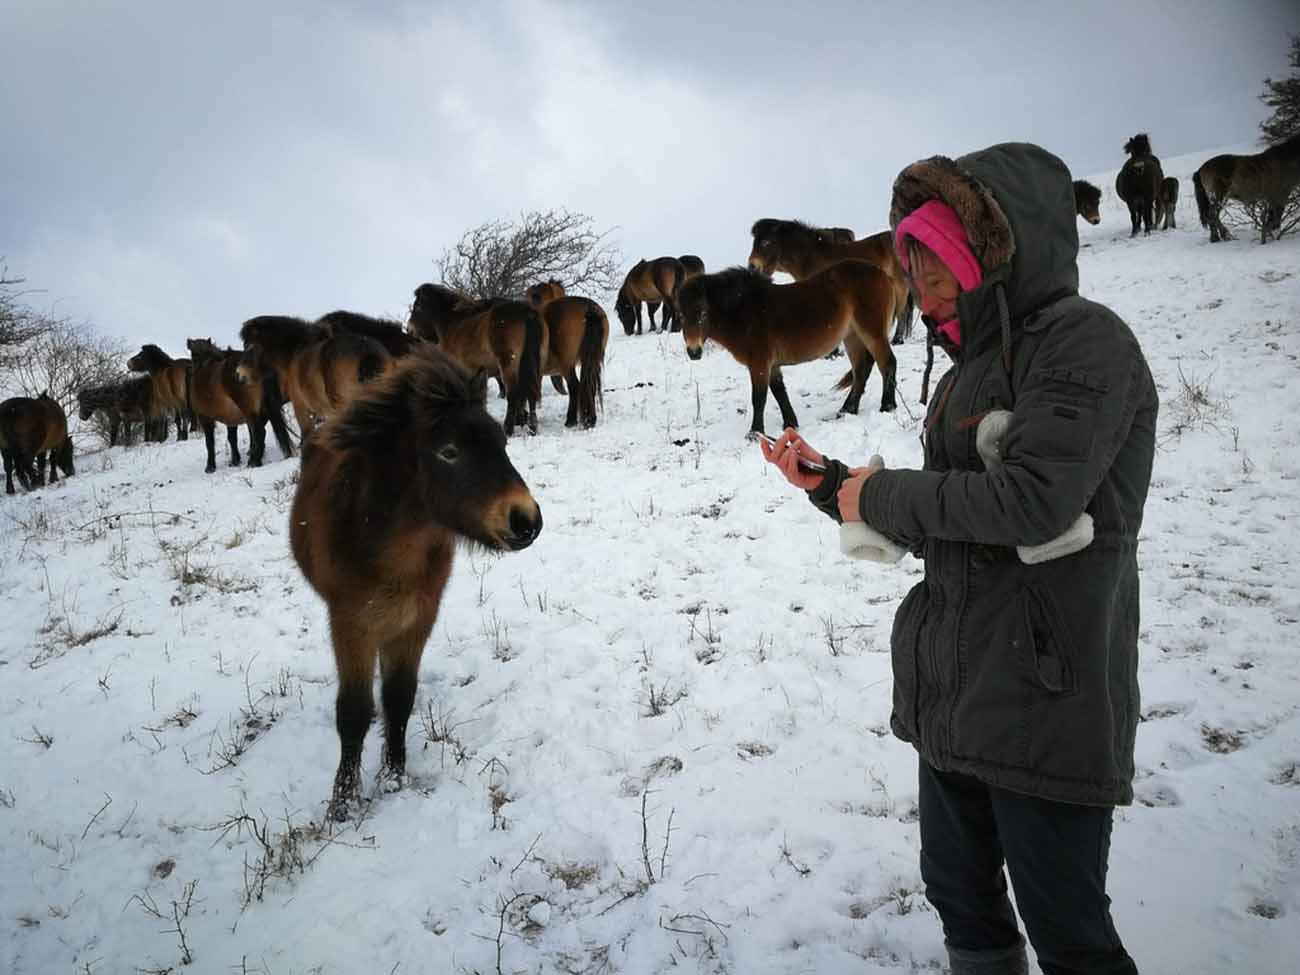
[(256, 441), (652, 307), (354, 707), (399, 664), (776, 381), (860, 362), (210, 439), (571, 417), (232, 438), (9, 472)]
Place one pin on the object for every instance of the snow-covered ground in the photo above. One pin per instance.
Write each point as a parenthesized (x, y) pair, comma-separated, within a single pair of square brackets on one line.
[(682, 682)]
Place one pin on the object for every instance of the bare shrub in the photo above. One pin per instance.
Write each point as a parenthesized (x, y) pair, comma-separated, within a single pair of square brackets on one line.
[(501, 258)]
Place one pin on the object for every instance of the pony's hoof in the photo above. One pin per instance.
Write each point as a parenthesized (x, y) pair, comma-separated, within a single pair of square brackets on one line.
[(210, 469)]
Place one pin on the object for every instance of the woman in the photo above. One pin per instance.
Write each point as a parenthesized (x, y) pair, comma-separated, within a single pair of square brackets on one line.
[(1015, 678)]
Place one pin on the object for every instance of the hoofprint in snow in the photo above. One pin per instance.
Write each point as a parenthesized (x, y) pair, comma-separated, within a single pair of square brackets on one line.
[(658, 739)]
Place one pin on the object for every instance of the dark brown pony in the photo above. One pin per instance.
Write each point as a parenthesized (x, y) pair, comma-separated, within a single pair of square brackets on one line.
[(653, 283), (396, 341), (318, 367), (33, 431), (123, 404), (766, 326), (575, 333), (218, 394), (1138, 182), (801, 250), (1087, 201), (1167, 204), (170, 378), (388, 486), (1266, 179)]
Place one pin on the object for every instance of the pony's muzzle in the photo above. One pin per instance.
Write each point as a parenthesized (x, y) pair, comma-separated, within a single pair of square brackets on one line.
[(694, 352), (522, 523)]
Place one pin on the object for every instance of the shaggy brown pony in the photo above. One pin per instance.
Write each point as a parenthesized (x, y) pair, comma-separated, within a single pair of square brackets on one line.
[(766, 326), (121, 404), (653, 283), (1167, 204), (575, 333), (218, 394), (32, 431), (170, 378), (319, 367), (801, 250), (1265, 179), (1087, 201), (388, 486)]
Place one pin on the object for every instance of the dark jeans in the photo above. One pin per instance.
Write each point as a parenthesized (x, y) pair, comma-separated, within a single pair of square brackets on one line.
[(1056, 854)]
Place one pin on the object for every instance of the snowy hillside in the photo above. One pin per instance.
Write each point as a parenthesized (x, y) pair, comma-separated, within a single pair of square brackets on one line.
[(681, 682)]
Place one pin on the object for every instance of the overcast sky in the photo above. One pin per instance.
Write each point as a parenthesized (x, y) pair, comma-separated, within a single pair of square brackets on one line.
[(172, 168)]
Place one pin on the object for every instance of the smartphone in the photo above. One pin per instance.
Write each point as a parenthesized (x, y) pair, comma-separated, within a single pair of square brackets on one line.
[(804, 463)]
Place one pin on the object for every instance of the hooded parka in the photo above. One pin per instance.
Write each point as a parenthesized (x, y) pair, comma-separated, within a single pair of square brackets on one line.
[(1024, 676)]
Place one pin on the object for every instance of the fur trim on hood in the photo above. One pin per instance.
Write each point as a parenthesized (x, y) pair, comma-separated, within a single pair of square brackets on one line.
[(986, 226)]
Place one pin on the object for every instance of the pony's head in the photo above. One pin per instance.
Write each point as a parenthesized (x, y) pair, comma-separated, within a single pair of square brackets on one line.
[(149, 358), (1139, 145), (540, 295), (1087, 201), (427, 424), (710, 300)]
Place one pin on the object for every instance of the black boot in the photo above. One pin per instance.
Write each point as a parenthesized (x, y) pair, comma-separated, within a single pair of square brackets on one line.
[(999, 961)]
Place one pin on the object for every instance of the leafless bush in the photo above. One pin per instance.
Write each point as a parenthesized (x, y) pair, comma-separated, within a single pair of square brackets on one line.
[(62, 357), (1262, 217), (501, 258), (660, 699), (1195, 406)]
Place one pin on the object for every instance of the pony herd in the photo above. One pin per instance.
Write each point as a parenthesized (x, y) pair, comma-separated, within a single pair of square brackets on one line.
[(401, 458), (1267, 180)]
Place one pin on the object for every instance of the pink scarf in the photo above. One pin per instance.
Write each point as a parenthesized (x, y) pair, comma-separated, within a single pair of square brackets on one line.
[(937, 226)]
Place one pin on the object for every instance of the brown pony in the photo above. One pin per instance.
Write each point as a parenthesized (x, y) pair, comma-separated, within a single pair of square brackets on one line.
[(1266, 179), (170, 378), (1087, 201), (388, 486), (692, 265), (502, 337), (575, 332), (801, 251), (1138, 183), (218, 394), (654, 283), (318, 367), (766, 326), (32, 430)]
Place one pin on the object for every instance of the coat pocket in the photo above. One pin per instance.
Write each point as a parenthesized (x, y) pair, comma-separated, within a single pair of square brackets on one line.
[(1047, 655), (904, 644)]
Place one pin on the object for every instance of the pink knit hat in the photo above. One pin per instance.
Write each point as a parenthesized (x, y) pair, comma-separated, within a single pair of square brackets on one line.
[(937, 226)]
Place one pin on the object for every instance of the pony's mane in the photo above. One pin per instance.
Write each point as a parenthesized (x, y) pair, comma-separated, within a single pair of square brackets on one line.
[(1139, 145), (424, 385), (278, 333)]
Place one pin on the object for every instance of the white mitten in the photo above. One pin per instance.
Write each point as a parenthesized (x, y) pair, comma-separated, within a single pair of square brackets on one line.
[(859, 540), (988, 444)]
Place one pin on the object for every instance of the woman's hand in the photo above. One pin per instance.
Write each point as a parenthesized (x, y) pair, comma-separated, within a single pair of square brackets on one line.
[(785, 452), (850, 493)]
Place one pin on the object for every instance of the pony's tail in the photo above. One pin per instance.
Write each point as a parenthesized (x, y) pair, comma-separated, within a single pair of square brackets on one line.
[(591, 356), (1202, 199), (845, 381)]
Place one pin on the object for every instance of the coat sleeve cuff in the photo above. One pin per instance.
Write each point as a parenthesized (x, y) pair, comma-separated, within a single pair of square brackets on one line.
[(876, 501), (825, 495)]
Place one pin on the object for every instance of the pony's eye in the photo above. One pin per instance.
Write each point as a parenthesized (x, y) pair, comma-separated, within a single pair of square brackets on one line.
[(449, 454)]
